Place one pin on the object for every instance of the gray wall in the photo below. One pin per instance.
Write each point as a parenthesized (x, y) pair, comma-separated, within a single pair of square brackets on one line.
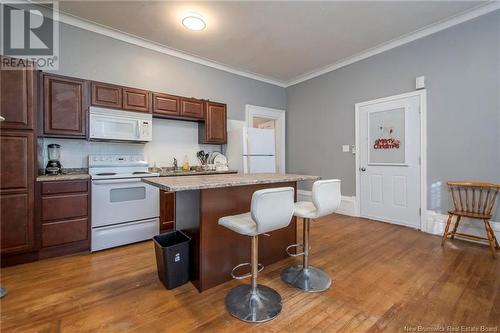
[(92, 56), (462, 70)]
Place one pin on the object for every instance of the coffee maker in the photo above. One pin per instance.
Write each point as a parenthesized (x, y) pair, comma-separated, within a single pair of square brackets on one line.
[(53, 166)]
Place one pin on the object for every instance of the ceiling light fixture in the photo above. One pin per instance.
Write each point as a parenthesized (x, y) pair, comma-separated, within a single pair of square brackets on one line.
[(194, 21)]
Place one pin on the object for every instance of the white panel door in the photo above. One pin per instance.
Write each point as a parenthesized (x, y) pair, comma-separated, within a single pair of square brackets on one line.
[(390, 161), (260, 141), (259, 164)]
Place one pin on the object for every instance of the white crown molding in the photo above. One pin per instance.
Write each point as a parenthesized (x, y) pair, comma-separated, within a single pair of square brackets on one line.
[(135, 40), (132, 39), (426, 31)]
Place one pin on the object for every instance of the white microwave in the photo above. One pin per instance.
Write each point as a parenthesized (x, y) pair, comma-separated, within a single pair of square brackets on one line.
[(115, 125)]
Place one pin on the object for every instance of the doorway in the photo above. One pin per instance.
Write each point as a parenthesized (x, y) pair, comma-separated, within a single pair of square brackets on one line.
[(267, 118), (390, 159)]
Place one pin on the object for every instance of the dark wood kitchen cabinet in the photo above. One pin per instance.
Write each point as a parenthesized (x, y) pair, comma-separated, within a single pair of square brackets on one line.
[(118, 97), (214, 129), (17, 226), (63, 226), (192, 108), (16, 160), (167, 211), (64, 106), (106, 95), (18, 105), (16, 193), (17, 95), (137, 100), (165, 105)]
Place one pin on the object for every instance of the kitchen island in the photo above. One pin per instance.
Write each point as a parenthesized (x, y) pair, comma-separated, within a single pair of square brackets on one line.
[(199, 203)]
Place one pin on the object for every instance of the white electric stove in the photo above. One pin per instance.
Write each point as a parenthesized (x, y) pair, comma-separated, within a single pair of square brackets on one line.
[(124, 209)]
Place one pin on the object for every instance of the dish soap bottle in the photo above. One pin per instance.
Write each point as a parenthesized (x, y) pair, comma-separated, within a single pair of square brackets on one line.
[(185, 164)]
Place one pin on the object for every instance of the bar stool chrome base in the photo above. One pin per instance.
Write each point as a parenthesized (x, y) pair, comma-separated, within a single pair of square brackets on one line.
[(312, 279), (254, 307)]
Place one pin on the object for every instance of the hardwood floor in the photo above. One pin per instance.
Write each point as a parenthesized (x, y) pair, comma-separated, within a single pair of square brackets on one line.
[(385, 277)]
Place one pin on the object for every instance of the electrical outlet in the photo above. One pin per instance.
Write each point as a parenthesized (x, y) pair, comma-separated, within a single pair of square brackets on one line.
[(345, 148)]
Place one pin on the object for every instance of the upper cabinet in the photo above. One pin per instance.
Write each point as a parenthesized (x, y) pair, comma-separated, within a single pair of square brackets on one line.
[(17, 95), (117, 97), (64, 106), (66, 103), (192, 108), (214, 129), (136, 100), (106, 95), (166, 105)]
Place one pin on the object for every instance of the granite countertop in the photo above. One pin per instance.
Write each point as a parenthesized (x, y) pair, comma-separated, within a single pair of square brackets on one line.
[(67, 174), (171, 173), (174, 184)]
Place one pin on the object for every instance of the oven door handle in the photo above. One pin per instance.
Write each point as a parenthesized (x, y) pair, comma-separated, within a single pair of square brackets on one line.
[(116, 181)]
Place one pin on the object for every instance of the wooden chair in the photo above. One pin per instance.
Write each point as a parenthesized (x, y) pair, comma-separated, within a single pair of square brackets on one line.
[(476, 201)]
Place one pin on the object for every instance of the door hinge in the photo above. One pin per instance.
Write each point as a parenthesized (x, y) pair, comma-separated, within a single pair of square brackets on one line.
[(419, 160), (420, 212)]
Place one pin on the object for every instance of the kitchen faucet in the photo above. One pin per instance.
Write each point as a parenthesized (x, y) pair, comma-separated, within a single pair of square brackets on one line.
[(175, 164)]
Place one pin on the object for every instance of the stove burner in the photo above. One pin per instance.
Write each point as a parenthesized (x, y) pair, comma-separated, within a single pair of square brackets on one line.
[(140, 172), (106, 174)]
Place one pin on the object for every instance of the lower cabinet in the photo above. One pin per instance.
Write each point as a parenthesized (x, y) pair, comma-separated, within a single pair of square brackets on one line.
[(17, 226), (64, 232), (17, 237), (64, 226), (167, 211)]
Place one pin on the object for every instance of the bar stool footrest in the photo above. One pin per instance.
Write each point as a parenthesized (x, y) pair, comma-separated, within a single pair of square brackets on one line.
[(292, 247), (240, 277)]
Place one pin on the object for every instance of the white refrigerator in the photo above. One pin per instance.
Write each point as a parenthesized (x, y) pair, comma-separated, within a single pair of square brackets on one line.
[(252, 150)]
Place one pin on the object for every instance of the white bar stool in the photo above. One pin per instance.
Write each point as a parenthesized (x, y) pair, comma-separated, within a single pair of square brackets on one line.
[(325, 200), (271, 209)]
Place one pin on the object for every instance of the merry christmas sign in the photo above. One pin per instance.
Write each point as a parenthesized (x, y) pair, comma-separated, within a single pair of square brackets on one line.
[(387, 136), (386, 141)]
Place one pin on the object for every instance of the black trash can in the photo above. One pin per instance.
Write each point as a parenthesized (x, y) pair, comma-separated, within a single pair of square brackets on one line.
[(172, 258)]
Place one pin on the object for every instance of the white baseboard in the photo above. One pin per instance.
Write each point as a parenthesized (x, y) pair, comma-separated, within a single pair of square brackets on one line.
[(347, 204), (434, 223)]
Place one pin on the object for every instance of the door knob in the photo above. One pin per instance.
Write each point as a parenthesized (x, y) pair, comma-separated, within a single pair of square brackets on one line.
[(362, 169)]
